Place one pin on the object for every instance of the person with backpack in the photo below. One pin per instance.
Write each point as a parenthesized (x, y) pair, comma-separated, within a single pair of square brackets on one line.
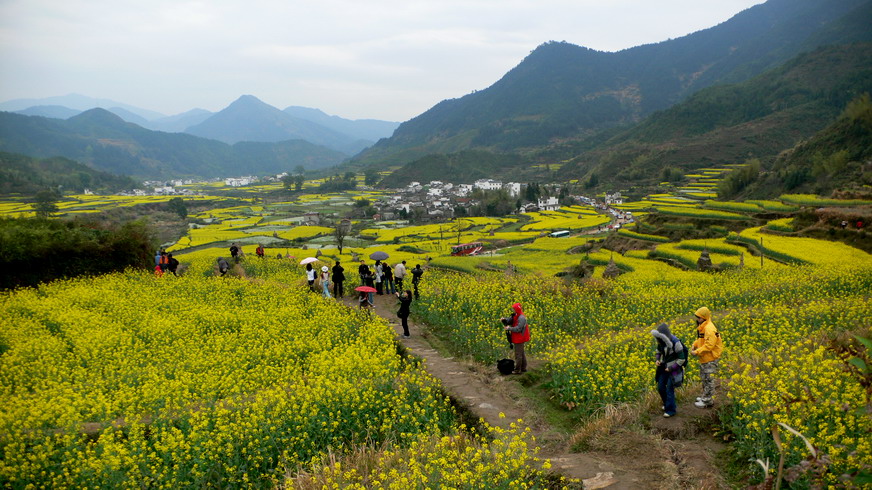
[(518, 328), (669, 362), (708, 347), (259, 250)]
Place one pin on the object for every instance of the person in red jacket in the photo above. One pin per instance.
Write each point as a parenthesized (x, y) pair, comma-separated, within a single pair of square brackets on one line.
[(519, 331)]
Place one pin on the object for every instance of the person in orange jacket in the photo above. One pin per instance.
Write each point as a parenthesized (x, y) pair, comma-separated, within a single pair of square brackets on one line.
[(519, 334), (707, 347)]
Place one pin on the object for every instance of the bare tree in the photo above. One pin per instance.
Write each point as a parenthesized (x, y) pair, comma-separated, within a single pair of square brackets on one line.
[(341, 229)]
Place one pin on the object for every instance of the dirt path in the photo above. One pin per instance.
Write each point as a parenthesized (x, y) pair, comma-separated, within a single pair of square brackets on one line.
[(671, 455)]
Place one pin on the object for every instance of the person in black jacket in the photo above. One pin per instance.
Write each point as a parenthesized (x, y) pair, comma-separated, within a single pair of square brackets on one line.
[(338, 278), (403, 313)]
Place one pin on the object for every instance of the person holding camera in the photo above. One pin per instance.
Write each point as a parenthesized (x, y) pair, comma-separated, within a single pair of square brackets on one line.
[(519, 332)]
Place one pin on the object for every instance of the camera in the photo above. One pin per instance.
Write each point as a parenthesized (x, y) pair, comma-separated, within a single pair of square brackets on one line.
[(506, 321)]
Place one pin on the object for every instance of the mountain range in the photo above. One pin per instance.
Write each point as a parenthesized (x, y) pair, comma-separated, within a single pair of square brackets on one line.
[(246, 119), (563, 92), (754, 86), (105, 142)]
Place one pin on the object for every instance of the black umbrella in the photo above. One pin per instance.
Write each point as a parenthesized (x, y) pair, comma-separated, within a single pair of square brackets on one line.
[(378, 255)]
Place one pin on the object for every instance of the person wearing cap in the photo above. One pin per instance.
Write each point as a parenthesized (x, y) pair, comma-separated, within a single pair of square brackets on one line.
[(707, 347), (325, 282), (519, 332), (669, 364)]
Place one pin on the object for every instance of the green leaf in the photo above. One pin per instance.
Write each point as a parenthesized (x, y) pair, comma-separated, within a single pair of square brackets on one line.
[(859, 364), (866, 342)]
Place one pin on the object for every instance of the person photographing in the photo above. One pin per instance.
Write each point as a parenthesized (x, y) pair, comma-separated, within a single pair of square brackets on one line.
[(519, 333)]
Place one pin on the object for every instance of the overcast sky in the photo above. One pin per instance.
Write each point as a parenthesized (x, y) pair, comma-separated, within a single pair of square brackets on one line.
[(373, 59)]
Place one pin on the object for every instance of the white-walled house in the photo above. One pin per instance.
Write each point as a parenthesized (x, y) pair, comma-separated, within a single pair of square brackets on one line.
[(548, 204), (487, 184)]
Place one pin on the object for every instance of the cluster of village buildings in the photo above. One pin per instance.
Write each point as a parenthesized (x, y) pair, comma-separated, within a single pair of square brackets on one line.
[(435, 200)]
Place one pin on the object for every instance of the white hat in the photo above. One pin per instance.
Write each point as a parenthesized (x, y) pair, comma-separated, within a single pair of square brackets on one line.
[(324, 268)]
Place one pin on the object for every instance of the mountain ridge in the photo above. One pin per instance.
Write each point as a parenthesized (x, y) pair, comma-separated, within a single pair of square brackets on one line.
[(563, 91)]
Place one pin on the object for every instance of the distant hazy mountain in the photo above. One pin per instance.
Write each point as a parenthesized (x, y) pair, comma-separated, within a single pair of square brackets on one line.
[(80, 102), (106, 142), (562, 91), (365, 129), (55, 111), (180, 122), (250, 119)]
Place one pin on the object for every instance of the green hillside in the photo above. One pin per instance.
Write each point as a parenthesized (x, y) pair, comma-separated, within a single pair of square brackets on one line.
[(24, 175), (758, 118)]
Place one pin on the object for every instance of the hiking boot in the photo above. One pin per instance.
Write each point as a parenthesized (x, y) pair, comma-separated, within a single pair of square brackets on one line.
[(407, 336), (702, 404), (667, 415)]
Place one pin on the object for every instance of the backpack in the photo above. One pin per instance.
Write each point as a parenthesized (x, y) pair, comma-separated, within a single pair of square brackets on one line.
[(505, 366)]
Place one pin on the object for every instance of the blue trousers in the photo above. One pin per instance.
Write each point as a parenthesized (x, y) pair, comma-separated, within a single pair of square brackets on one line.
[(666, 388)]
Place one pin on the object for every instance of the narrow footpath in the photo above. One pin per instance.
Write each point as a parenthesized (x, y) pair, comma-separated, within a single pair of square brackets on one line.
[(487, 394)]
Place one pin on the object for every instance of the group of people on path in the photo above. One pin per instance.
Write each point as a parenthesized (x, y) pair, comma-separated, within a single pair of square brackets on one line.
[(165, 262)]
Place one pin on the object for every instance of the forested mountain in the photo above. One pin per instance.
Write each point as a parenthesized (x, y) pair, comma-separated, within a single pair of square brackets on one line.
[(106, 142), (250, 119), (758, 118), (731, 123), (24, 175), (562, 91)]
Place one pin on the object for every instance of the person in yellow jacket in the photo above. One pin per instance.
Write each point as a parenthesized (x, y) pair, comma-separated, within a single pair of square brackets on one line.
[(707, 347)]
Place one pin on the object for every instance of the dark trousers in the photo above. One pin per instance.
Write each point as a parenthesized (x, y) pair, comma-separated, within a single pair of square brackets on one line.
[(338, 290), (399, 283), (405, 320), (520, 358), (415, 287), (666, 388)]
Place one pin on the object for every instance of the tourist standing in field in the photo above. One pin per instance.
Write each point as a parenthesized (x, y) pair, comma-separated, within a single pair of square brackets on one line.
[(417, 272), (388, 279), (707, 347), (403, 313), (369, 280), (259, 250), (378, 277), (363, 270), (338, 280), (519, 331), (400, 274), (172, 264), (223, 266), (325, 282), (310, 277), (234, 252), (669, 364)]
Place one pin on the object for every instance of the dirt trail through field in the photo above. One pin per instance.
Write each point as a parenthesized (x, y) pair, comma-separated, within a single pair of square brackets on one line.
[(645, 461)]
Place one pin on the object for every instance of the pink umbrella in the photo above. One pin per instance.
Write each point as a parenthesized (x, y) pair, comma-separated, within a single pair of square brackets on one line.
[(308, 260)]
